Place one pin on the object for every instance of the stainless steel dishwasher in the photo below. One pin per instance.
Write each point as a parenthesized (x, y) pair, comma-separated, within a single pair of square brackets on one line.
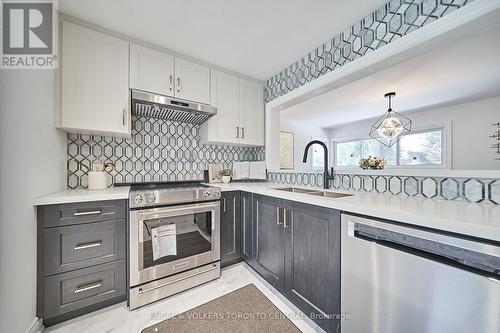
[(398, 279)]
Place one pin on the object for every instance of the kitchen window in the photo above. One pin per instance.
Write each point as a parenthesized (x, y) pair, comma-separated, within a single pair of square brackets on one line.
[(423, 148)]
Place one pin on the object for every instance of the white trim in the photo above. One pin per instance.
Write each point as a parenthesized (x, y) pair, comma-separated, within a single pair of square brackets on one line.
[(36, 326)]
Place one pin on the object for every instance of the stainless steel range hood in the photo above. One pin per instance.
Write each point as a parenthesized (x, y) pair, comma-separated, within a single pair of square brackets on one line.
[(164, 107)]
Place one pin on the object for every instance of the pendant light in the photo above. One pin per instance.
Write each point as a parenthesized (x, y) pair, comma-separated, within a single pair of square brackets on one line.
[(388, 128)]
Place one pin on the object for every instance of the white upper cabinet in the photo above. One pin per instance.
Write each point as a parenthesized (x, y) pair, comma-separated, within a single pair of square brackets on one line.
[(240, 112), (225, 92), (94, 82), (251, 113), (151, 70), (163, 74), (192, 81)]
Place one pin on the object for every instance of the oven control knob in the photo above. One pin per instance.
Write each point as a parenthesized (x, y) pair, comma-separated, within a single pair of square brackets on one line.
[(138, 199), (206, 193), (152, 197)]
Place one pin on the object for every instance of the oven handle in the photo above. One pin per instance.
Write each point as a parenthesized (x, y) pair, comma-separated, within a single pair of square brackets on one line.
[(173, 211), (142, 291)]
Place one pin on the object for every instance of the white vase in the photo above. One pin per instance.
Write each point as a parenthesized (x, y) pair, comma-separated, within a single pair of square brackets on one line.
[(97, 180), (226, 179)]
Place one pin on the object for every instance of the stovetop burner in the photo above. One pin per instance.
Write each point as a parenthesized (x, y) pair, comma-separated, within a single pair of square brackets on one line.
[(166, 193)]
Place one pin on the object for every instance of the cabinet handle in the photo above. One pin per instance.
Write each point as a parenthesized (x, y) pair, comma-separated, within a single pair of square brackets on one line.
[(178, 84), (80, 289), (91, 212), (88, 245), (278, 216), (170, 83), (237, 132), (224, 205), (124, 115), (285, 225), (243, 132)]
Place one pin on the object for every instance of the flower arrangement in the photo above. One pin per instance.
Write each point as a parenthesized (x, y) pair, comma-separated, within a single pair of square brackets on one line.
[(372, 163)]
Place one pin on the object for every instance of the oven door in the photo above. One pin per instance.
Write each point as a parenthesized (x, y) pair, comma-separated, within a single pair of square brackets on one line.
[(168, 240)]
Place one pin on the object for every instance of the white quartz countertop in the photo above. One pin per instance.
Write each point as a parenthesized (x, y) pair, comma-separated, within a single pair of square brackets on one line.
[(459, 217), (70, 196)]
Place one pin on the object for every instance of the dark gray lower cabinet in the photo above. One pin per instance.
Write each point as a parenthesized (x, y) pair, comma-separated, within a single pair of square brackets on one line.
[(246, 205), (230, 231), (297, 250), (82, 262), (269, 242), (312, 262)]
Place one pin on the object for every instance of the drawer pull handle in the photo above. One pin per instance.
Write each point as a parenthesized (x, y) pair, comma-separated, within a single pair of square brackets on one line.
[(88, 287), (91, 212), (88, 245), (182, 264)]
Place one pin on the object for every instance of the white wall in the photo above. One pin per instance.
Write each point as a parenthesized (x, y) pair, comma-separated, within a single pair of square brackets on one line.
[(32, 163), (303, 133), (471, 126)]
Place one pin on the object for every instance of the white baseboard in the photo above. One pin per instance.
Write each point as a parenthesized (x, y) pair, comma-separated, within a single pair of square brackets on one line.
[(36, 326)]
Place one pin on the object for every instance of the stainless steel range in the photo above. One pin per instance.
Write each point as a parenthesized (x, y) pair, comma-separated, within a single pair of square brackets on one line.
[(174, 239)]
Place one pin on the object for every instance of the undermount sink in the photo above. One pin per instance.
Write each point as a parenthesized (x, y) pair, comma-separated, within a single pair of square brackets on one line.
[(330, 194), (325, 194), (295, 190)]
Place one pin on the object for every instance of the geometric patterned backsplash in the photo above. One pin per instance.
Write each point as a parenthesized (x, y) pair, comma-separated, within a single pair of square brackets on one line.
[(475, 190), (159, 150), (393, 20)]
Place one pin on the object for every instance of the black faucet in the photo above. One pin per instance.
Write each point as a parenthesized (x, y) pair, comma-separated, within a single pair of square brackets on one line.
[(326, 175)]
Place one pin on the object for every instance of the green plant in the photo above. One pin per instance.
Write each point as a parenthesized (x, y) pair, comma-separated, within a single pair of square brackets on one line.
[(226, 172)]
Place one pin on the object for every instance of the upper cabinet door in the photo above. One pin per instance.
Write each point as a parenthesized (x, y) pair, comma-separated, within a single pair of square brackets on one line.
[(95, 95), (251, 113), (224, 95), (151, 70), (192, 81)]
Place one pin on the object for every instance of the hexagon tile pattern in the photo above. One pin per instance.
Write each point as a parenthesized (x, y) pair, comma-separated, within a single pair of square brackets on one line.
[(159, 150), (485, 191), (391, 21)]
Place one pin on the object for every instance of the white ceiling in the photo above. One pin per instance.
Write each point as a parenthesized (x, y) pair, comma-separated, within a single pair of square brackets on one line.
[(257, 38), (458, 72)]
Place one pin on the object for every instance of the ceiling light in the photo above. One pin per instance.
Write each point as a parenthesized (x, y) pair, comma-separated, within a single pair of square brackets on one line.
[(390, 126)]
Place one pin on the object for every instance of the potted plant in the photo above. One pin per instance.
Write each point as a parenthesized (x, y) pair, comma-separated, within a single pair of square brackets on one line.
[(226, 175)]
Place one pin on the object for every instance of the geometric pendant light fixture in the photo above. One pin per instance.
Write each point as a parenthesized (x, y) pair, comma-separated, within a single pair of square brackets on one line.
[(388, 128)]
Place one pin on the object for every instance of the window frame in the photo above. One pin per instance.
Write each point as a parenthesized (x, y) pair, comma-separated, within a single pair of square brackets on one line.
[(445, 149)]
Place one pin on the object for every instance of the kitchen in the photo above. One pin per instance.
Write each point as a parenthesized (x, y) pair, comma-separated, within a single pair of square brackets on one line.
[(191, 172)]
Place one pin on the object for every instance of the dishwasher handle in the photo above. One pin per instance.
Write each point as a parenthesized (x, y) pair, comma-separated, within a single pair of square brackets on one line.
[(476, 262)]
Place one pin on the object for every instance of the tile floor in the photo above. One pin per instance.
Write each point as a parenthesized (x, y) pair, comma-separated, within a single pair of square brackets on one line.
[(118, 318)]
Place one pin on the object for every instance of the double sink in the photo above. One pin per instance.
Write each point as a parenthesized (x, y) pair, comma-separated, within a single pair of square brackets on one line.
[(318, 193)]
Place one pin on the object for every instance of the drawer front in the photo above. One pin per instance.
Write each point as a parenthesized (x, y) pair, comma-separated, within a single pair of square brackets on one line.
[(89, 286), (84, 245), (83, 212)]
